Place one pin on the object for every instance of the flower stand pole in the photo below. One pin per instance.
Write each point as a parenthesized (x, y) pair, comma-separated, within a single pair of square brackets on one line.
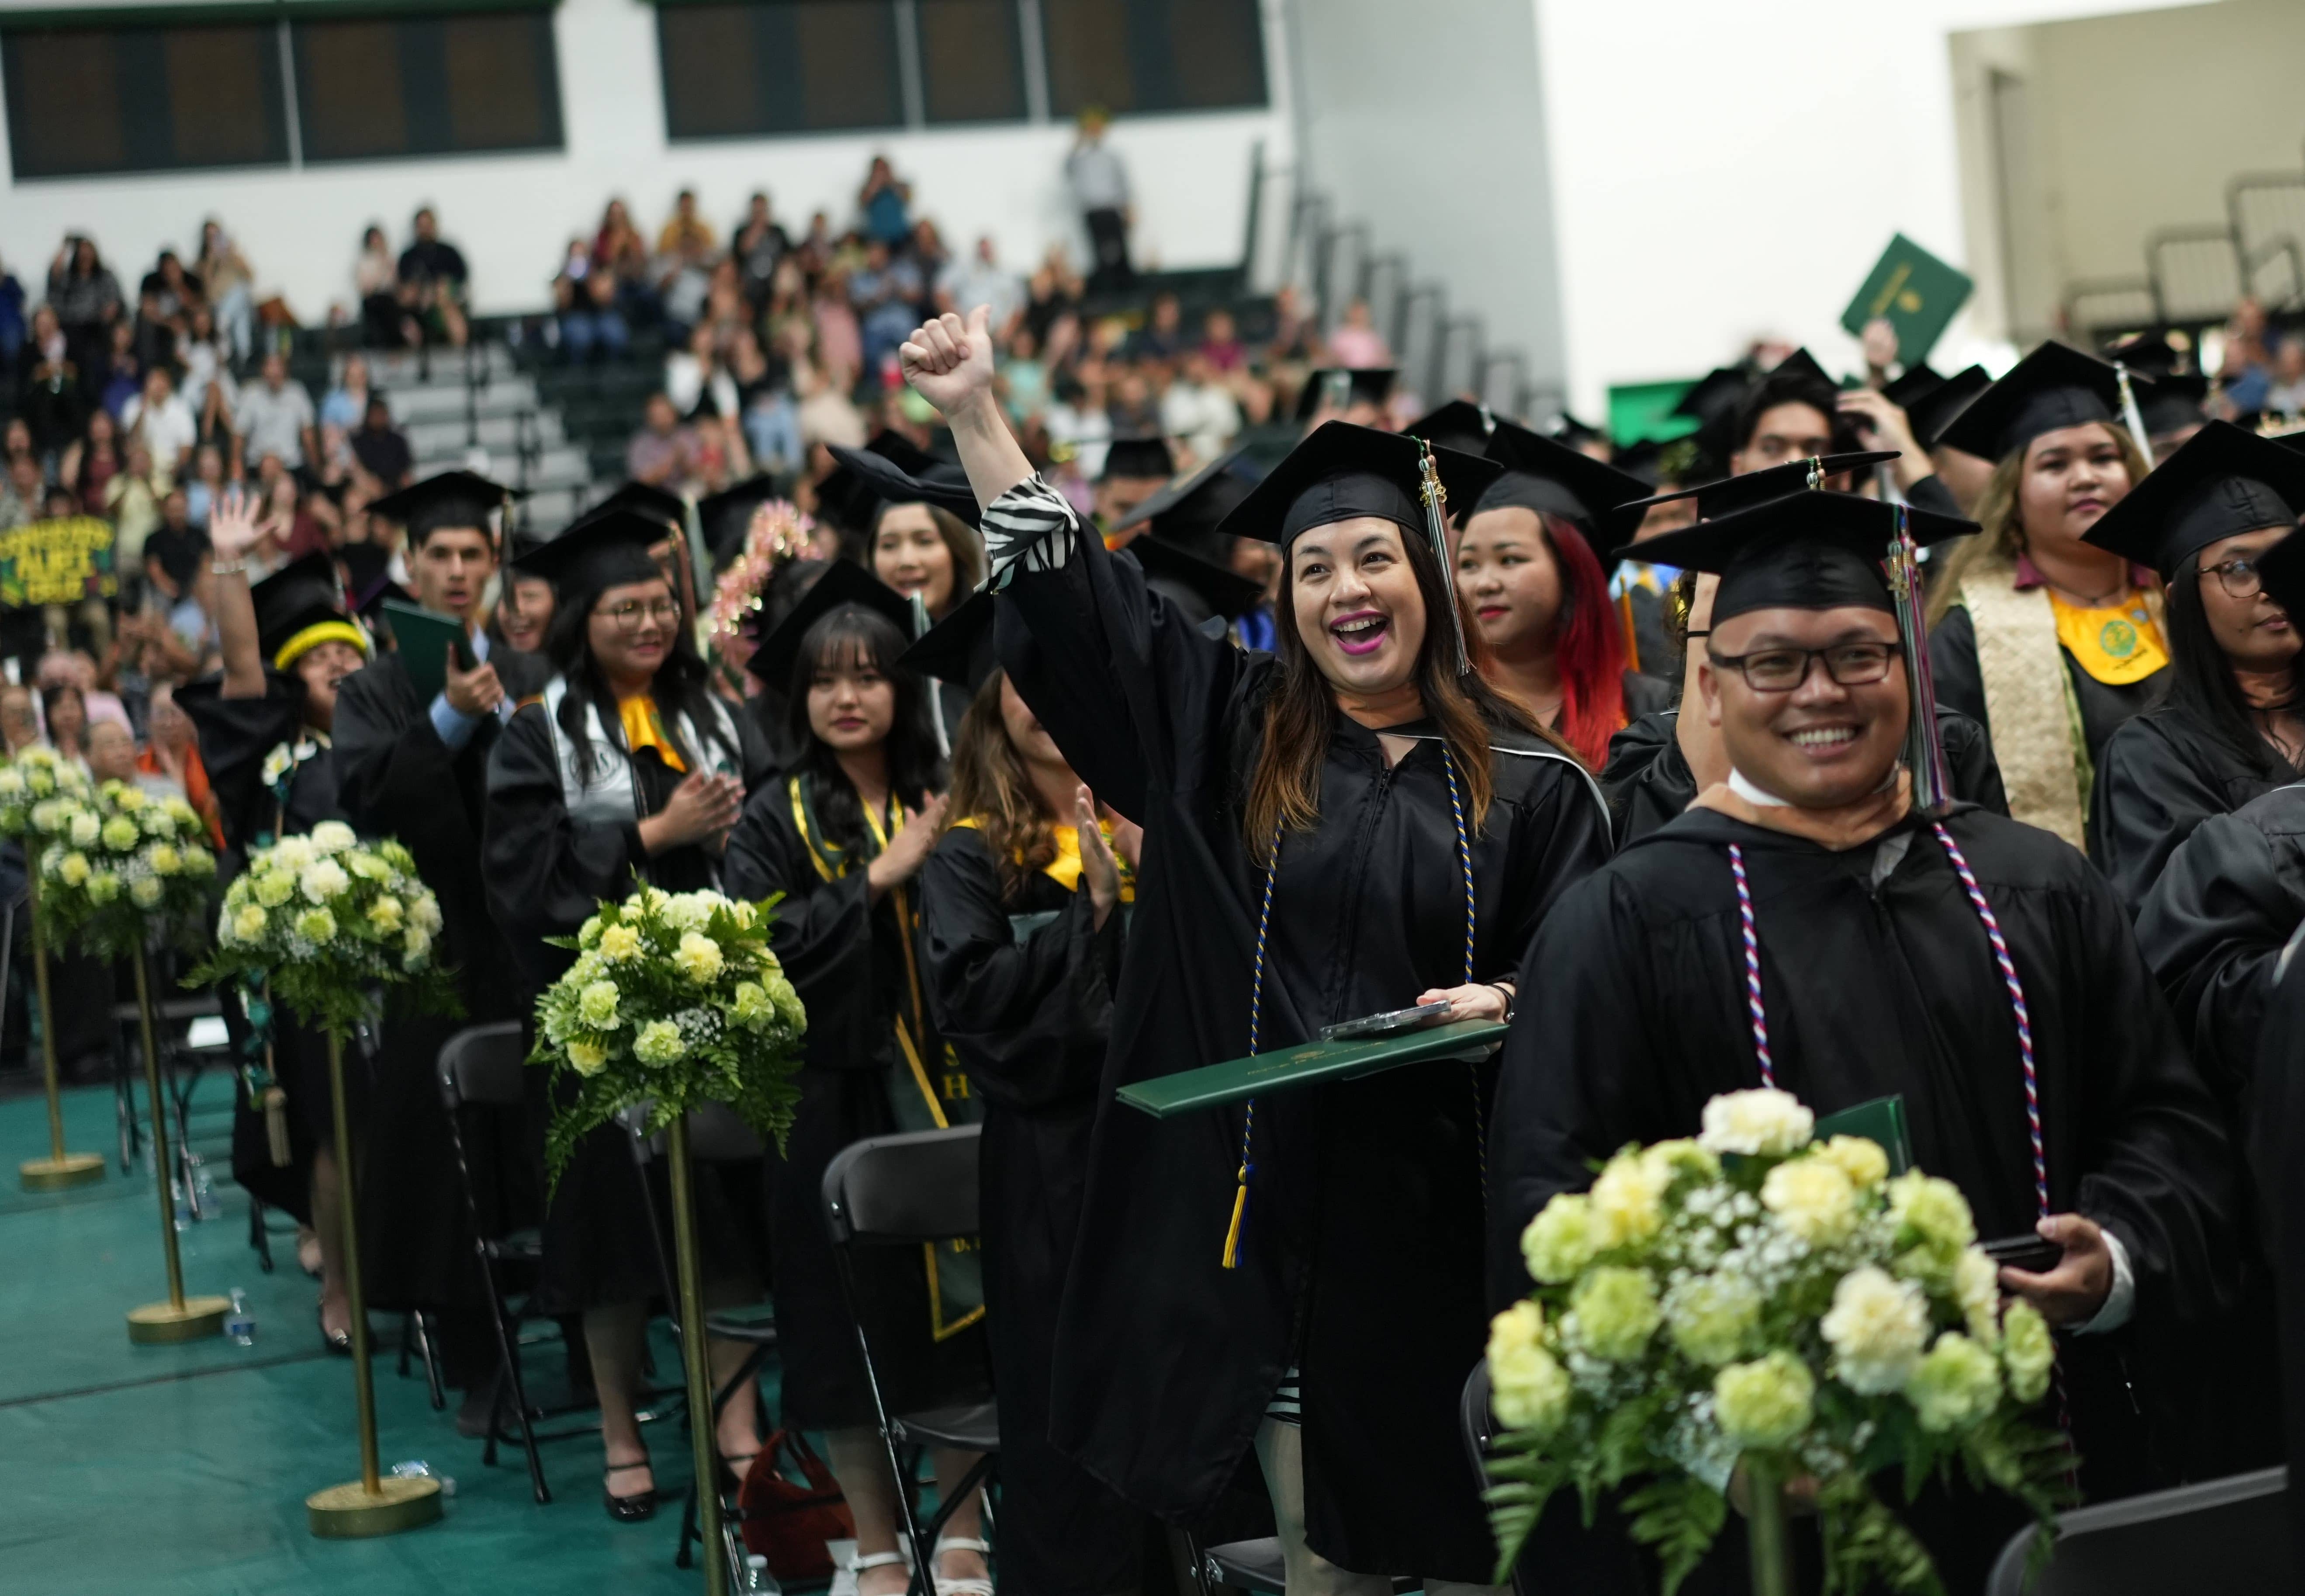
[(59, 1170), (180, 1318), (694, 1355), (371, 1505), (1764, 1529)]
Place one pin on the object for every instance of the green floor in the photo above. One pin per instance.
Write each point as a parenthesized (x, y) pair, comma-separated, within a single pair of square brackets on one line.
[(185, 1469)]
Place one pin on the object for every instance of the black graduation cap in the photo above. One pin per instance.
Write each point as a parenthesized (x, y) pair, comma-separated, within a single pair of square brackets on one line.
[(1930, 412), (458, 498), (725, 516), (1555, 479), (1460, 425), (522, 542), (667, 509), (2225, 481), (1139, 458), (1801, 363), (299, 606), (2174, 403), (1712, 401), (844, 582), (1339, 387), (1221, 588), (606, 549), (2055, 386), (880, 479), (2150, 353), (958, 648), (1342, 471), (1187, 512), (1730, 494), (367, 577), (2281, 568), (1568, 430), (1801, 549), (1915, 383), (1644, 460)]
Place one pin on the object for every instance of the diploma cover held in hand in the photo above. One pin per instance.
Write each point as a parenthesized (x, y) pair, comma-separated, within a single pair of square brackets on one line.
[(1880, 1120), (1309, 1064)]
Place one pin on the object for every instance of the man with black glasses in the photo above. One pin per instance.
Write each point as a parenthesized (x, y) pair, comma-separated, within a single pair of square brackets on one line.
[(1808, 925)]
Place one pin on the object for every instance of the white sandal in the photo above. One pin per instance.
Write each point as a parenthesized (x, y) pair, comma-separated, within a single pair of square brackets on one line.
[(858, 1564), (968, 1585)]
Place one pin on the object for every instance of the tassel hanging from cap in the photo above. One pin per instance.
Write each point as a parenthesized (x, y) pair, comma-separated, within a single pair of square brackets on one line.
[(1436, 529), (1231, 1259), (2132, 417), (1924, 753), (275, 1127)]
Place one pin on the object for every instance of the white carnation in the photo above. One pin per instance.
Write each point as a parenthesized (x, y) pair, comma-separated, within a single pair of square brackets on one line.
[(333, 836), (1763, 1121), (323, 879), (1877, 1327)]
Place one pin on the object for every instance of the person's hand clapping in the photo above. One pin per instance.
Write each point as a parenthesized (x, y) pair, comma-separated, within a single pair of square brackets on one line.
[(949, 363), (233, 528), (906, 851), (1098, 867), (702, 807)]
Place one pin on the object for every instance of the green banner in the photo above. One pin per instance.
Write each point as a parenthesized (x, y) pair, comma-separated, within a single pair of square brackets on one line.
[(57, 561), (1917, 294)]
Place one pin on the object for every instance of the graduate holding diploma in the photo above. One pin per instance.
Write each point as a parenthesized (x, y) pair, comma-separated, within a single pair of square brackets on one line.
[(1353, 824)]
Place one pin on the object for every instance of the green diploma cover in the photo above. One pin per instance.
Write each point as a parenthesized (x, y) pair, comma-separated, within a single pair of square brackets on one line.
[(1309, 1064)]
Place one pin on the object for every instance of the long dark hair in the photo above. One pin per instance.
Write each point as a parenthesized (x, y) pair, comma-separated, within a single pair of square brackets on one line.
[(682, 686), (991, 787), (854, 638), (2200, 683), (1284, 790)]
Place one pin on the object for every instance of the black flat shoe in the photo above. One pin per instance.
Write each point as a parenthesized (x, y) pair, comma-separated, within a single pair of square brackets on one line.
[(339, 1342), (627, 1509)]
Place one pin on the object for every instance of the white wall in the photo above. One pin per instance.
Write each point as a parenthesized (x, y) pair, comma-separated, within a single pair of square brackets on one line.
[(513, 215), (1725, 170), (1434, 136)]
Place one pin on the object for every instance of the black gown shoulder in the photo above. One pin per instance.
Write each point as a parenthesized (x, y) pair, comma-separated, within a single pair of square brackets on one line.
[(239, 738), (2162, 775)]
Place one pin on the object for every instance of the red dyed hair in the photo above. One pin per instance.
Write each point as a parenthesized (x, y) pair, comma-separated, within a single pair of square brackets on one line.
[(1588, 648)]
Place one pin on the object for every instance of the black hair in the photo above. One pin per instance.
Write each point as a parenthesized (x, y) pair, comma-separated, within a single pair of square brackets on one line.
[(1782, 387), (853, 635), (2200, 683), (682, 687)]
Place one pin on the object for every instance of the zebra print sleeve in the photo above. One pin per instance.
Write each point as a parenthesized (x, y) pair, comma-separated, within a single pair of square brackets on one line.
[(1031, 524)]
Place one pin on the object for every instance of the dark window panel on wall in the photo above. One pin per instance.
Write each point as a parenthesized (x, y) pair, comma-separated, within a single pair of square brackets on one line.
[(1140, 56), (378, 89), (780, 66), (83, 101), (972, 60)]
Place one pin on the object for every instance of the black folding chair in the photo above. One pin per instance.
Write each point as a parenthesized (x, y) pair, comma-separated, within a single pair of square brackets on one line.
[(479, 1069), (2229, 1534), (715, 1135), (906, 1191)]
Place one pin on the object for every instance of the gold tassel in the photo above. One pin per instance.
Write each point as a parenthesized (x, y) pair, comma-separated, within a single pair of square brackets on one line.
[(1232, 1231), (276, 1125)]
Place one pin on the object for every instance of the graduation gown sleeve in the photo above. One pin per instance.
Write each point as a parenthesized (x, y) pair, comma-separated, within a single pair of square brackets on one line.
[(2214, 925), (2158, 778), (1030, 1016), (823, 932), (1959, 679)]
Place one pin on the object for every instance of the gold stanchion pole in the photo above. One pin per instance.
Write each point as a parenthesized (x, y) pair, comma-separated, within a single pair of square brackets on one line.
[(59, 1170), (693, 1352), (370, 1505), (180, 1318)]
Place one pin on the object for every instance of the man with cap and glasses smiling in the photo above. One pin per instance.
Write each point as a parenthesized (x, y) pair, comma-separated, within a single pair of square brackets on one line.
[(1356, 823), (1824, 923)]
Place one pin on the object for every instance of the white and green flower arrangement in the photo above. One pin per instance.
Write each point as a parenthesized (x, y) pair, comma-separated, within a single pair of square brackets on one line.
[(119, 868), (1758, 1301), (675, 1000), (28, 781), (324, 919)]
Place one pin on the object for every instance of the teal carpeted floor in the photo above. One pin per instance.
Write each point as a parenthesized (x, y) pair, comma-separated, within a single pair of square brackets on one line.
[(171, 1471)]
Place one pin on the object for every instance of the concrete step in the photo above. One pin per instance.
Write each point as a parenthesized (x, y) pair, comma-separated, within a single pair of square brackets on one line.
[(441, 400), (406, 367), (549, 509), (556, 467), (451, 435)]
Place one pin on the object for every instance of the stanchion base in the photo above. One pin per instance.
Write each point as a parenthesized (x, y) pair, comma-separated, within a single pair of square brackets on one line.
[(155, 1323), (348, 1512), (61, 1174)]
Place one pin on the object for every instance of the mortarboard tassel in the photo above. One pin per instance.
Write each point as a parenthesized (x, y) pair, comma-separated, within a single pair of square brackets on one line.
[(921, 625), (1436, 528), (2130, 415), (1924, 754)]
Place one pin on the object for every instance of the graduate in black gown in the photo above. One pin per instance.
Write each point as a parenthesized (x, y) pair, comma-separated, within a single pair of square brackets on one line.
[(1173, 537), (625, 770), (1304, 1282), (2228, 727), (841, 833), (1533, 562), (1871, 927), (417, 771), (289, 644), (2047, 641), (1021, 926)]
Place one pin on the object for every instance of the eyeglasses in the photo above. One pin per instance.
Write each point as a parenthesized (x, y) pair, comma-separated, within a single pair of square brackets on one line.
[(629, 614), (1780, 670), (2239, 578)]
